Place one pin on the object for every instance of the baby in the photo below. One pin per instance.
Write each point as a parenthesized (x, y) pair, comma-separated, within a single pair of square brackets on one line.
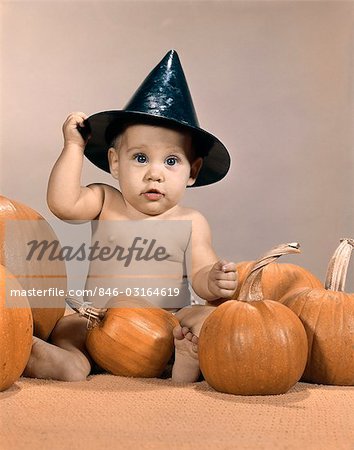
[(154, 153)]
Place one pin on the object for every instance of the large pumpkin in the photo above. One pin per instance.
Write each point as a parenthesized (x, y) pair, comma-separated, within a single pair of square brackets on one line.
[(15, 330), (277, 279), (328, 318), (19, 225), (253, 346), (131, 338)]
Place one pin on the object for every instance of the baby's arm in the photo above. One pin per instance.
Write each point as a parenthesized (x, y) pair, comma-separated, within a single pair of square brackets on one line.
[(212, 278), (66, 198)]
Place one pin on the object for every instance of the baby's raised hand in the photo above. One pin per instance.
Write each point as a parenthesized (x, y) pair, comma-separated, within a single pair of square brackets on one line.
[(70, 129), (222, 280)]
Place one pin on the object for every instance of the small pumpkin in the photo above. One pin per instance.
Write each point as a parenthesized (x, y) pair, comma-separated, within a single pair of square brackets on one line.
[(252, 345), (277, 279), (27, 225), (15, 330), (328, 317), (128, 340)]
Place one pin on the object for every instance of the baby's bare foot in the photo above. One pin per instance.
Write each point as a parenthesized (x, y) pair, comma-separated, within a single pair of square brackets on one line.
[(186, 366), (52, 362)]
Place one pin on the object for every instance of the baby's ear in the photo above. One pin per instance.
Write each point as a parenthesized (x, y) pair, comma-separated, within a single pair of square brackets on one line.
[(195, 169), (113, 162)]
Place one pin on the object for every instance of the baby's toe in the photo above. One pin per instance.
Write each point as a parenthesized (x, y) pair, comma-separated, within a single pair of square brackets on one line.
[(189, 336), (185, 331), (178, 332)]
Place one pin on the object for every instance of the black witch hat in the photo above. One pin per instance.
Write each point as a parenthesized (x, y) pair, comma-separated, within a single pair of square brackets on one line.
[(162, 99)]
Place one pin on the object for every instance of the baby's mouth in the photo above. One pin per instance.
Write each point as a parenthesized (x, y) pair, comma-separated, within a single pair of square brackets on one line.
[(153, 194)]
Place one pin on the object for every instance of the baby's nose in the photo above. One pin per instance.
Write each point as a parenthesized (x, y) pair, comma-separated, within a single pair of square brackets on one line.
[(154, 173)]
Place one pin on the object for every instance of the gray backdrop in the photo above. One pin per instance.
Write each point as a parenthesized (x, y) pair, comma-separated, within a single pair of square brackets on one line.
[(273, 80)]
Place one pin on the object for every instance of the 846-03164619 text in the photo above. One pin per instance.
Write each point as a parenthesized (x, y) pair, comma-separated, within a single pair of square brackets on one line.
[(96, 292)]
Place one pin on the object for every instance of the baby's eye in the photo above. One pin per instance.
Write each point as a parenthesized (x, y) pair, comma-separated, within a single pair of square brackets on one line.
[(171, 160), (140, 158)]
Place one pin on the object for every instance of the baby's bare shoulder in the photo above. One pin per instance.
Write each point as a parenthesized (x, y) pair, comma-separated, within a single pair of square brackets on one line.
[(201, 232), (194, 215)]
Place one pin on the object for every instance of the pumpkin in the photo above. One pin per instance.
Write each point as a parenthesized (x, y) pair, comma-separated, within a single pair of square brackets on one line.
[(131, 337), (19, 225), (277, 279), (15, 330), (328, 317), (252, 345)]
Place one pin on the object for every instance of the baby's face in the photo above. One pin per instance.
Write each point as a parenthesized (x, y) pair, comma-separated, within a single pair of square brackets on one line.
[(153, 166)]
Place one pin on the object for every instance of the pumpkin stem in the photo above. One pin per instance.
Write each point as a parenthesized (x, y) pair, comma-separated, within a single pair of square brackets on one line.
[(338, 266), (93, 315), (251, 289)]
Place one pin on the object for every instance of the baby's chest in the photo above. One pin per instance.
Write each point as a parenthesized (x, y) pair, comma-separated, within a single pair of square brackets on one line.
[(140, 246)]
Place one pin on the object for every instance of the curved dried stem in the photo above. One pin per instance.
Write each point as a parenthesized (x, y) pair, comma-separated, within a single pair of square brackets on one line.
[(252, 288), (93, 315), (338, 266)]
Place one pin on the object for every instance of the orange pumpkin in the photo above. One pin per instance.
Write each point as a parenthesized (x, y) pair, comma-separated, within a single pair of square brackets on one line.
[(15, 330), (252, 346), (328, 317), (128, 340), (33, 274), (277, 279)]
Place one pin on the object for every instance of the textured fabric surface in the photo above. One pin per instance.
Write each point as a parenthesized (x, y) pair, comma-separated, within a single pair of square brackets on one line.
[(115, 412)]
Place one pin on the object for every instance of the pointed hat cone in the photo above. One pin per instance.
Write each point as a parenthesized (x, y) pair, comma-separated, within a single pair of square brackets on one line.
[(162, 99)]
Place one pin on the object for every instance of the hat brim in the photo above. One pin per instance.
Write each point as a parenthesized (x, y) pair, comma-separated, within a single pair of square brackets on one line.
[(216, 163)]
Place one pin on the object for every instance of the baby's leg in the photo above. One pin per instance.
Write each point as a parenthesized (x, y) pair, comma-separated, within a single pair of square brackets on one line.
[(65, 358), (186, 366)]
